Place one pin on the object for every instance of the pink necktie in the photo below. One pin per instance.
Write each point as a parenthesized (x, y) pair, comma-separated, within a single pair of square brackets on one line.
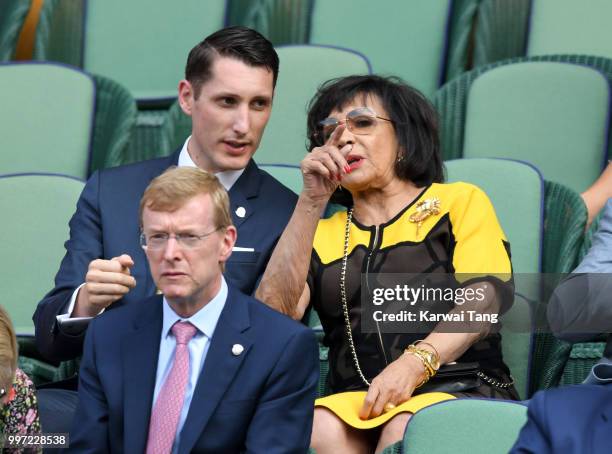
[(167, 408)]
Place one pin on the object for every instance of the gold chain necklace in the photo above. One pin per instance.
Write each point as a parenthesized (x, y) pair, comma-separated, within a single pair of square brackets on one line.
[(347, 320)]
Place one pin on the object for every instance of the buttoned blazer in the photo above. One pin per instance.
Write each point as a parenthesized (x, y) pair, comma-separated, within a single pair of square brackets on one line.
[(106, 225)]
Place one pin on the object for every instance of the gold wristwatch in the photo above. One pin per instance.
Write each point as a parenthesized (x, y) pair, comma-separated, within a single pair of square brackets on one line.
[(430, 360)]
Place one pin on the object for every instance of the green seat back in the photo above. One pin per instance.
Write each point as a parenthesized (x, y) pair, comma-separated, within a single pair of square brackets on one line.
[(302, 70), (143, 44), (402, 38), (12, 17), (36, 210), (553, 115), (519, 208), (289, 175), (46, 119), (281, 22), (475, 426), (570, 27)]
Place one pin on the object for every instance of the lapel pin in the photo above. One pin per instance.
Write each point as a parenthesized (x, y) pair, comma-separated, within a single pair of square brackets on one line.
[(237, 349), (158, 292), (240, 212)]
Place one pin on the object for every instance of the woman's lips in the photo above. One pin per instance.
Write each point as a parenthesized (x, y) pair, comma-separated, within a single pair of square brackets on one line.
[(354, 163)]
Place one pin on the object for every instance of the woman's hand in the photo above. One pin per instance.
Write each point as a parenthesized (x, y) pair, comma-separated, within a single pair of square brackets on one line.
[(394, 385), (323, 168)]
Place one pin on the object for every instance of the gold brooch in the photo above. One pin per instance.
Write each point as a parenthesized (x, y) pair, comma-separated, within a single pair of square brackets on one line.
[(424, 209)]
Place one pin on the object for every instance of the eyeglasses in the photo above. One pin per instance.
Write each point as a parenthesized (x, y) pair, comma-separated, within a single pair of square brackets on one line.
[(362, 120), (159, 241)]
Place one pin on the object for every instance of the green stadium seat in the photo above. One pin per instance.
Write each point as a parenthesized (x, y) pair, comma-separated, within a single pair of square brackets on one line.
[(12, 18), (281, 21), (68, 122), (570, 27), (115, 121), (500, 30), (36, 209), (565, 217), (302, 70), (514, 28), (142, 44), (47, 119), (554, 115), (582, 356), (402, 38), (513, 109), (289, 175), (550, 244), (477, 426), (519, 208)]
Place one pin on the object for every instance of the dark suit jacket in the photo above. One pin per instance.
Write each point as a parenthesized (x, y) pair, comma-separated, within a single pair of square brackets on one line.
[(106, 225), (259, 401), (572, 419)]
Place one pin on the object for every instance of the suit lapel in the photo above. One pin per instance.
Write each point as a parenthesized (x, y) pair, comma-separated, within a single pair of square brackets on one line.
[(220, 368), (140, 354), (245, 188)]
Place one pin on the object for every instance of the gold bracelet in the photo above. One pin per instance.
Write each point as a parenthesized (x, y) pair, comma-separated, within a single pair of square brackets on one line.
[(427, 343), (430, 360), (428, 369)]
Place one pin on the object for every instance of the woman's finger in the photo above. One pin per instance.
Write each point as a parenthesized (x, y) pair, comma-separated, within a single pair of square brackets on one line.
[(339, 157), (382, 399), (334, 139), (368, 402), (326, 158), (316, 167)]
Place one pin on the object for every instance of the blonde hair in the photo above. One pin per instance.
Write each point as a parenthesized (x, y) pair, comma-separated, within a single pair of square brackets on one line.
[(173, 188), (8, 350)]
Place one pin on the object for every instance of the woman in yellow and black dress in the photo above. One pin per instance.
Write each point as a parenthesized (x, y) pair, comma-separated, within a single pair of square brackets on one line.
[(374, 143)]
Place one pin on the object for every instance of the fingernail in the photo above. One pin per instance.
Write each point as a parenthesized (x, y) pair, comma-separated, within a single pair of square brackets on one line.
[(347, 169)]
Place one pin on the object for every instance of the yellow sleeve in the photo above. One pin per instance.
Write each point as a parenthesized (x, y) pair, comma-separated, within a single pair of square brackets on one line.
[(481, 247)]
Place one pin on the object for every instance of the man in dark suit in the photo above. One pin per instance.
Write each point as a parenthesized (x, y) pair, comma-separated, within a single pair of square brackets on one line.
[(227, 91), (203, 368), (571, 419)]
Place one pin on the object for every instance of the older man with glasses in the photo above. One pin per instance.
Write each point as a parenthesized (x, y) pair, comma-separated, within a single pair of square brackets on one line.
[(202, 367)]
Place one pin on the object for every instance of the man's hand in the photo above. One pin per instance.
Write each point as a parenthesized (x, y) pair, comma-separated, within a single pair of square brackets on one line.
[(394, 385), (106, 282)]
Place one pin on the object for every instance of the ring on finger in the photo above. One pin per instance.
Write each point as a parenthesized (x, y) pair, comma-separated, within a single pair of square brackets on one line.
[(388, 407)]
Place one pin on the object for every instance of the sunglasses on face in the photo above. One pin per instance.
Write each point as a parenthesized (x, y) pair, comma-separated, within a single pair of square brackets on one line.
[(362, 120)]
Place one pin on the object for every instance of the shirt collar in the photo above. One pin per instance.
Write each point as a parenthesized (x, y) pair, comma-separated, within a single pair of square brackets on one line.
[(205, 320), (227, 177)]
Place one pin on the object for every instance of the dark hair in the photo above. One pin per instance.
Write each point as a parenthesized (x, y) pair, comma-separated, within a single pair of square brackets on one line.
[(238, 42), (415, 122)]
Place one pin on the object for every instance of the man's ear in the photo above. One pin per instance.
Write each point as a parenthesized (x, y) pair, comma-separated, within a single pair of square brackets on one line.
[(229, 239), (185, 96)]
